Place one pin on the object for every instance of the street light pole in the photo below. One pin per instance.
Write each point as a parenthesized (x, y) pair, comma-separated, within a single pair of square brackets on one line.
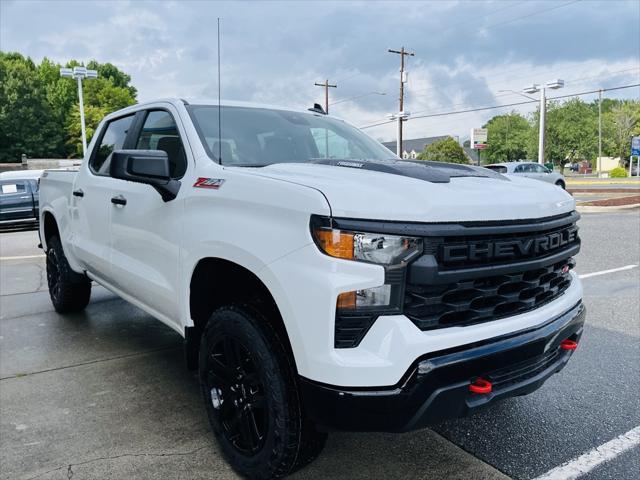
[(542, 132), (82, 124), (80, 73), (543, 111), (599, 131)]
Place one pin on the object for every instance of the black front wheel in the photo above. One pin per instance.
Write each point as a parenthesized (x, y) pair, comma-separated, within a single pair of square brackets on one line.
[(69, 291), (251, 396), (561, 184)]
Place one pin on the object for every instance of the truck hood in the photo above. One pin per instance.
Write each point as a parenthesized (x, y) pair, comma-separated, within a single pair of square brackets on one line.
[(367, 194)]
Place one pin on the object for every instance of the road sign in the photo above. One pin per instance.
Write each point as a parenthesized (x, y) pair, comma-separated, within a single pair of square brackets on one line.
[(635, 146), (479, 138)]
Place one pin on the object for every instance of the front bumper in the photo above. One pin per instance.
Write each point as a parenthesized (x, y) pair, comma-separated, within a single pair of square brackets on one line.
[(436, 386)]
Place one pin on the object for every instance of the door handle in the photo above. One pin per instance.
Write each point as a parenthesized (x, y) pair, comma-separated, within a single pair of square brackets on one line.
[(78, 193), (119, 200)]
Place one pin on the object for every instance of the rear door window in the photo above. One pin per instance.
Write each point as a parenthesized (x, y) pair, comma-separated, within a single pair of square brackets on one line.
[(160, 132), (112, 139), (12, 187)]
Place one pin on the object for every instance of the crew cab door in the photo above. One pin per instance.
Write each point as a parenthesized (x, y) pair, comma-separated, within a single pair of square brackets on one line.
[(145, 230), (91, 200)]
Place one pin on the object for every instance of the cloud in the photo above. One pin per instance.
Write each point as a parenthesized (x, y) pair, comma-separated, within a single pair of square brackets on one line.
[(273, 52)]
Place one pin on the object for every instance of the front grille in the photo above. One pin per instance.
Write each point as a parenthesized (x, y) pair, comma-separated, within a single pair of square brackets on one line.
[(488, 298), (473, 273)]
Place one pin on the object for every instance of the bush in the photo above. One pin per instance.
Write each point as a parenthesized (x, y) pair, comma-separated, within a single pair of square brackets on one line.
[(618, 172)]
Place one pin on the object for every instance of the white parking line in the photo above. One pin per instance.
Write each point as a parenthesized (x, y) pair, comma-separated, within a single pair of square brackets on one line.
[(23, 257), (604, 272), (590, 460)]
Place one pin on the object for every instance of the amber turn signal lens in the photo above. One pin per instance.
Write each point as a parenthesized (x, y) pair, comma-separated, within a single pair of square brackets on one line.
[(335, 243), (347, 301)]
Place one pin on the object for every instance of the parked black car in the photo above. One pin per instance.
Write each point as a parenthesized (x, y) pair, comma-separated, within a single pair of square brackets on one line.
[(19, 197)]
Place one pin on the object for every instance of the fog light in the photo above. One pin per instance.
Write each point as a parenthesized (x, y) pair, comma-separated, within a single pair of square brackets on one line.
[(368, 297)]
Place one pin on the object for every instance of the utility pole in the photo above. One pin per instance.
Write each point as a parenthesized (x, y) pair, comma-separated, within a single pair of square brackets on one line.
[(599, 131), (326, 86), (403, 53)]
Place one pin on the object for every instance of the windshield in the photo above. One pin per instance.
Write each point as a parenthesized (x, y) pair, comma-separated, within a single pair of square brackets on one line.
[(259, 137), (497, 168)]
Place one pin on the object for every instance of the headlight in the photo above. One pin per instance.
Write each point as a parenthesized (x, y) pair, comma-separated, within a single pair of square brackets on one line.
[(376, 248), (390, 251)]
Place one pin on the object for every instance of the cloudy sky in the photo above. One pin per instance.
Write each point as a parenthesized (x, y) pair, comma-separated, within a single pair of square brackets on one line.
[(467, 53)]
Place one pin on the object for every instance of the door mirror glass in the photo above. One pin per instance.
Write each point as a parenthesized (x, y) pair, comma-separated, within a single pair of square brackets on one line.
[(150, 167)]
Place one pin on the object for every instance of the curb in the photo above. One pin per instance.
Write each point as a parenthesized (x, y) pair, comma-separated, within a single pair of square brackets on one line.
[(570, 183), (596, 209)]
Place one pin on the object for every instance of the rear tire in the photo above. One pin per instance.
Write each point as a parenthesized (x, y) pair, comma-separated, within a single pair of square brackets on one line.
[(251, 396), (69, 291), (561, 184)]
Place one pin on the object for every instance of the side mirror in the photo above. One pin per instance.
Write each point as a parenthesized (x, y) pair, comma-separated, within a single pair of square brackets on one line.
[(145, 166)]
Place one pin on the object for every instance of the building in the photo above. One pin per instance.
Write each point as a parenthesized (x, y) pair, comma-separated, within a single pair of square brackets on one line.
[(411, 148)]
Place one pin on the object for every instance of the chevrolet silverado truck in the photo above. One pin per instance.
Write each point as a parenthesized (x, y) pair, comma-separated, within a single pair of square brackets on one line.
[(320, 283)]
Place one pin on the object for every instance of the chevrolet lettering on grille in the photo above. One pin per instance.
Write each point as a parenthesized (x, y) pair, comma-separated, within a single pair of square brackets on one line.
[(508, 249)]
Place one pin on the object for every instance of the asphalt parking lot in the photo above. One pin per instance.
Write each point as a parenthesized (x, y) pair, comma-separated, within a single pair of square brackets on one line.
[(104, 394)]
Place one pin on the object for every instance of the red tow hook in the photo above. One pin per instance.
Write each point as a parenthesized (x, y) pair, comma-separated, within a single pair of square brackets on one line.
[(568, 345), (480, 385)]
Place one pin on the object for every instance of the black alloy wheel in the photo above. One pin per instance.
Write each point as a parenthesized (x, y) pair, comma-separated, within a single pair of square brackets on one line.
[(53, 275), (69, 291), (251, 394), (238, 394)]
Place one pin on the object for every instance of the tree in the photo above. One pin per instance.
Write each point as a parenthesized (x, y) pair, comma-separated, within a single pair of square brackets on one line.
[(26, 119), (620, 124), (508, 136), (571, 132), (39, 111), (101, 97), (445, 150)]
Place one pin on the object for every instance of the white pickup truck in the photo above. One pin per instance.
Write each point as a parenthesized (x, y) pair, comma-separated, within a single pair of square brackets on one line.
[(320, 282)]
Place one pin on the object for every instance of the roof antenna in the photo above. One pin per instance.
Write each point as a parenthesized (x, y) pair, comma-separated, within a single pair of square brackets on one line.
[(219, 109)]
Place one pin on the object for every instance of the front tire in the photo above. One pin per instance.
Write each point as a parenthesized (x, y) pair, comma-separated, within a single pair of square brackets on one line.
[(251, 396), (69, 291), (561, 184)]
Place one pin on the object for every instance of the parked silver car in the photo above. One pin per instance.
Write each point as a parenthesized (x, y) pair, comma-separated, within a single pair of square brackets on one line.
[(530, 170)]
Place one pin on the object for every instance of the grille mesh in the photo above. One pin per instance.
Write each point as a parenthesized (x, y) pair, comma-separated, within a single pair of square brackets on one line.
[(473, 301)]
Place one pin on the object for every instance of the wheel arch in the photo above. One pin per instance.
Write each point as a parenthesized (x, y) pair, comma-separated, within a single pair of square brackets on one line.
[(216, 282), (49, 228)]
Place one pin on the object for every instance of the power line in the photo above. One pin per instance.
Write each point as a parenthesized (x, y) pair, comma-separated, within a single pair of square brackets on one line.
[(531, 14), (441, 114), (576, 79)]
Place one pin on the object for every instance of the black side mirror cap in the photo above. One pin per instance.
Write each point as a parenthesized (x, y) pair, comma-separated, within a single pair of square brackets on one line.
[(150, 167)]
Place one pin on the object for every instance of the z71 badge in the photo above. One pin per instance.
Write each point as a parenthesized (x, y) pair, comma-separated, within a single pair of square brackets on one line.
[(204, 182)]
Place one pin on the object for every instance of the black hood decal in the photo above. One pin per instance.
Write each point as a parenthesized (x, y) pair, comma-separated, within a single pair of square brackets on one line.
[(434, 172)]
